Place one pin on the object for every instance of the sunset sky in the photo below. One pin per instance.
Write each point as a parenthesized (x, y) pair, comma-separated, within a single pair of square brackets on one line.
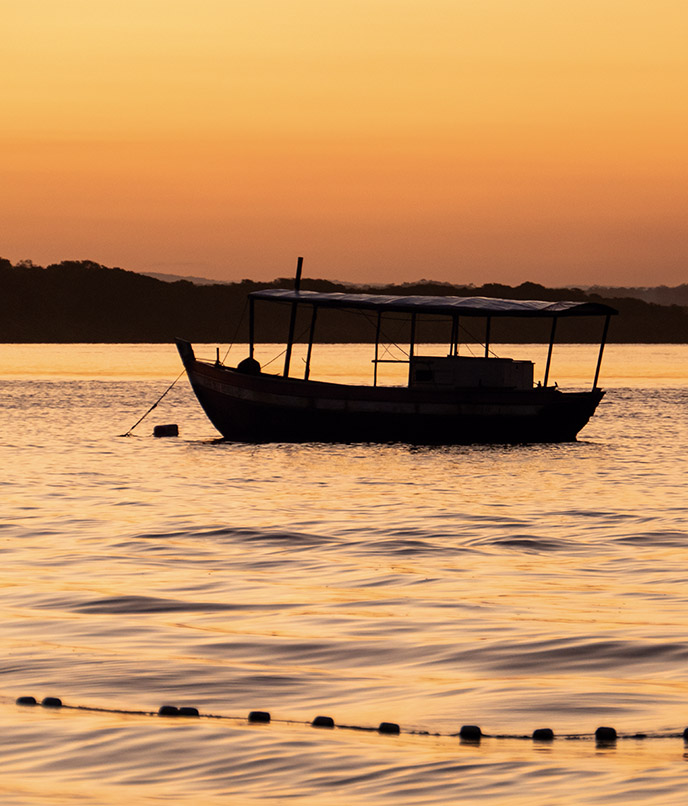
[(460, 140)]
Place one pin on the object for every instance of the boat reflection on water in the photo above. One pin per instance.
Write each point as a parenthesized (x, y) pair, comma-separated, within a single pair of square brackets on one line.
[(449, 399)]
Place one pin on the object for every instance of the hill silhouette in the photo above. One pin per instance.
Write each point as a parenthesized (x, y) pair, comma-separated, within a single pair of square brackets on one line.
[(82, 301), (661, 294)]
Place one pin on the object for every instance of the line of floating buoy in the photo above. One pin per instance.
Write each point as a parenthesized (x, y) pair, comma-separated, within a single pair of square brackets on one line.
[(468, 734)]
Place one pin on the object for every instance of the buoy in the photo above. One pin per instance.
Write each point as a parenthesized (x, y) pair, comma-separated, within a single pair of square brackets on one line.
[(543, 735), (470, 733), (323, 722), (51, 702), (170, 430), (259, 716), (168, 710), (605, 735), (26, 701), (188, 710), (388, 727)]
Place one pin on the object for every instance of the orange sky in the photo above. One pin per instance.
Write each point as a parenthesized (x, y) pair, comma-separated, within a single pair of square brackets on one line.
[(460, 140)]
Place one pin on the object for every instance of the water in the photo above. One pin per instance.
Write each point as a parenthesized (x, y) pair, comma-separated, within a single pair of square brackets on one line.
[(510, 587)]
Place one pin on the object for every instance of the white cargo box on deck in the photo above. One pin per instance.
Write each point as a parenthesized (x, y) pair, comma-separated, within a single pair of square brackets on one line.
[(468, 372)]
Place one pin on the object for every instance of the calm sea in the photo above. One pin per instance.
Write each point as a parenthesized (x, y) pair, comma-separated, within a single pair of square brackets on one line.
[(512, 588)]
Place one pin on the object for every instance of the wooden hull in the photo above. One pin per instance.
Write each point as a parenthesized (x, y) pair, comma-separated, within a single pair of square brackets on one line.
[(270, 408)]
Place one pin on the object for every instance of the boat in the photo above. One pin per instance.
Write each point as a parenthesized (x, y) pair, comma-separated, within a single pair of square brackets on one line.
[(448, 399)]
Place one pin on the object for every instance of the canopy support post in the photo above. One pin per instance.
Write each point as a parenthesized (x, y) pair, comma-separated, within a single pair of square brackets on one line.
[(599, 357), (454, 346), (290, 340), (549, 352), (487, 336), (412, 341), (292, 320), (314, 316), (251, 319), (377, 347)]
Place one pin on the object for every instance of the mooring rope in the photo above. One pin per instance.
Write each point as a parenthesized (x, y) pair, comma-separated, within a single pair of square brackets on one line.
[(141, 419), (236, 331), (469, 734), (296, 338)]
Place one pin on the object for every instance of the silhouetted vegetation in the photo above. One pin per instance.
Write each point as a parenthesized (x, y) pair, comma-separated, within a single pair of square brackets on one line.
[(82, 301), (661, 294)]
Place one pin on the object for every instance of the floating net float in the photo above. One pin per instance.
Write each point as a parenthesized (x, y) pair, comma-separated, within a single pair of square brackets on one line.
[(469, 734)]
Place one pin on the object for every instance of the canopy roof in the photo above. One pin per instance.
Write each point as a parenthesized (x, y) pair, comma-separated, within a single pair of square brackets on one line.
[(464, 306)]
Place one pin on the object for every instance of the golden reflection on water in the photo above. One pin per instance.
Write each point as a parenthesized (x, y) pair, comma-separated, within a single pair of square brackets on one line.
[(623, 364), (511, 587)]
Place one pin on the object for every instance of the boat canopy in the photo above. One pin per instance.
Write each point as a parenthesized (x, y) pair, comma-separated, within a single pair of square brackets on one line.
[(447, 306)]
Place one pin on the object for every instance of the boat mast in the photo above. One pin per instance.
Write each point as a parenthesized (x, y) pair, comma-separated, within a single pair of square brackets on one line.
[(292, 320)]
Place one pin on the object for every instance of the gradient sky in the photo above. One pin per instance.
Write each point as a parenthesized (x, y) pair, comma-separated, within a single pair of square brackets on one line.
[(460, 140)]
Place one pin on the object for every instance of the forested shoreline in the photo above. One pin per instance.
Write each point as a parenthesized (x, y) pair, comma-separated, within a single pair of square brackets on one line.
[(82, 301)]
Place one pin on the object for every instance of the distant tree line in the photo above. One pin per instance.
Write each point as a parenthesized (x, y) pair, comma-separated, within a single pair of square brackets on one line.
[(661, 294), (82, 301)]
